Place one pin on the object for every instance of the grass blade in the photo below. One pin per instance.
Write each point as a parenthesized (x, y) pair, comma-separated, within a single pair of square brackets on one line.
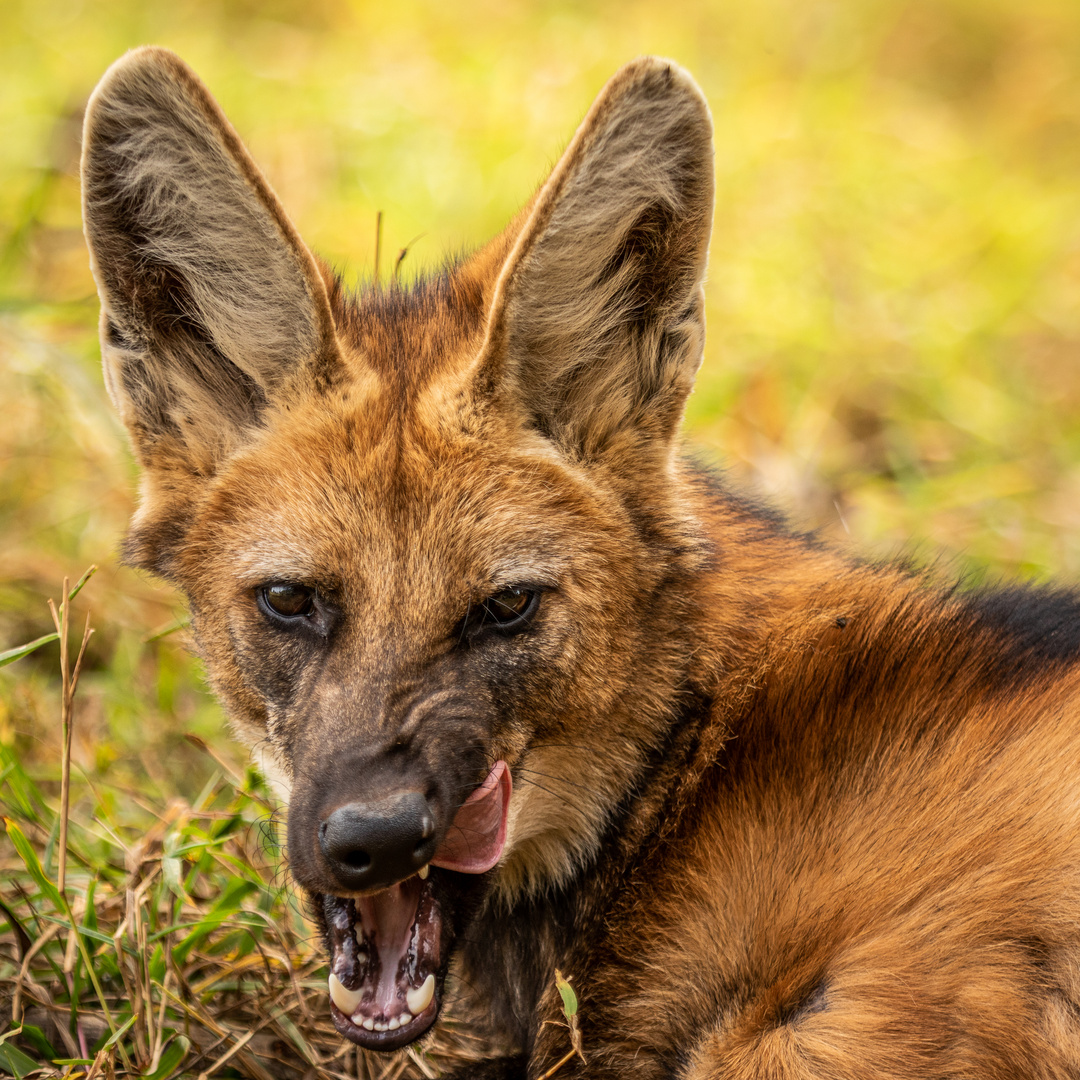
[(171, 1058), (31, 861), (14, 1061), (9, 656)]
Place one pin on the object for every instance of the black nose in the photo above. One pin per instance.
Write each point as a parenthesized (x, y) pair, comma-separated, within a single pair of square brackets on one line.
[(374, 844)]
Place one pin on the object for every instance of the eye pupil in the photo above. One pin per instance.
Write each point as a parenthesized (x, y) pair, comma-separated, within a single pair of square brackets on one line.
[(289, 601), (508, 605), (507, 612)]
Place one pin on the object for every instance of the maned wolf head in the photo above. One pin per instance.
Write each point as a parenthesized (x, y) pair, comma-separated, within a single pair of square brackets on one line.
[(435, 539)]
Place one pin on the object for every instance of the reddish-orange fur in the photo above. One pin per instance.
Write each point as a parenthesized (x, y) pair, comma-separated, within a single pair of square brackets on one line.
[(779, 814)]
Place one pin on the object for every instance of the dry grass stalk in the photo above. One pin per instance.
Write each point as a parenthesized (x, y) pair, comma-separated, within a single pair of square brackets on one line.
[(69, 682)]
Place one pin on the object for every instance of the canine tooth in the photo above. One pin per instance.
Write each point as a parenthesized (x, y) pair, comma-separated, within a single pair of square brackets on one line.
[(423, 872), (369, 1024), (420, 998), (345, 999)]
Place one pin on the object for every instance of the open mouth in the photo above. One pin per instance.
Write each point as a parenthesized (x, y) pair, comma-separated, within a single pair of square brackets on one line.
[(388, 950)]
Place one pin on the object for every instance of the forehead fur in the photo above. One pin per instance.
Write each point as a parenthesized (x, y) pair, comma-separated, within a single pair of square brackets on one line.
[(397, 465), (410, 334)]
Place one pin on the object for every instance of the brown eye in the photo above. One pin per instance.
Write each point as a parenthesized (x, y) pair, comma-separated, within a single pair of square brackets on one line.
[(508, 606), (288, 600), (508, 611)]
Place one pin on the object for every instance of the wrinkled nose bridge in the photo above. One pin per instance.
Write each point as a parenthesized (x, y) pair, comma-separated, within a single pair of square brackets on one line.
[(355, 741), (367, 693)]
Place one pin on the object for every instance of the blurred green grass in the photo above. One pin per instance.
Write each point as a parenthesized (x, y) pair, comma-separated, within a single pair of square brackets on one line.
[(893, 294)]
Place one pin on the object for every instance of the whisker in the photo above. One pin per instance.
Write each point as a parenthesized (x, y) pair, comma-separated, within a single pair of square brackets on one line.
[(555, 778)]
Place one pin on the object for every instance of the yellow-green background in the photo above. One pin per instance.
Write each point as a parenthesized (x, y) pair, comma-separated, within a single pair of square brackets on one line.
[(893, 302)]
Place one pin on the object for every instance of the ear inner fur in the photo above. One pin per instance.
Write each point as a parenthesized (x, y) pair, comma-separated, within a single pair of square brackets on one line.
[(210, 300), (597, 318)]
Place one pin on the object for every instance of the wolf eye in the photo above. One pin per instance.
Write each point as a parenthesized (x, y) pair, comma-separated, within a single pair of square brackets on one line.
[(509, 606), (289, 601), (507, 612)]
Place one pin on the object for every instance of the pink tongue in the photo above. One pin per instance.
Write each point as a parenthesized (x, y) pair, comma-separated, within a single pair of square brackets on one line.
[(476, 837)]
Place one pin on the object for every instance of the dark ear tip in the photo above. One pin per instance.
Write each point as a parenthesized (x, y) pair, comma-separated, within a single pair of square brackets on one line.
[(149, 74)]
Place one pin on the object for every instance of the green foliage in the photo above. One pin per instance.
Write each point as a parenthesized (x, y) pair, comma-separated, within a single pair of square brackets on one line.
[(14, 1061), (9, 656), (566, 992), (573, 1026)]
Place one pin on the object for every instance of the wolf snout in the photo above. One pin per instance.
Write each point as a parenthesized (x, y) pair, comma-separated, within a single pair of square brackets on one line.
[(372, 845)]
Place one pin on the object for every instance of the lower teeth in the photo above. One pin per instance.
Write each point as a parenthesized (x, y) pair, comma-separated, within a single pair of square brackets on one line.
[(348, 1002), (379, 1025), (391, 1025)]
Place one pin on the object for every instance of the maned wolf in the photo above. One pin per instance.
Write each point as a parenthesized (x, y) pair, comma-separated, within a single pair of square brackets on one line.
[(545, 694)]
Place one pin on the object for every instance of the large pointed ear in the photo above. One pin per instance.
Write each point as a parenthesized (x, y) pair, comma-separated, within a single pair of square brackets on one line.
[(596, 329), (209, 300)]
